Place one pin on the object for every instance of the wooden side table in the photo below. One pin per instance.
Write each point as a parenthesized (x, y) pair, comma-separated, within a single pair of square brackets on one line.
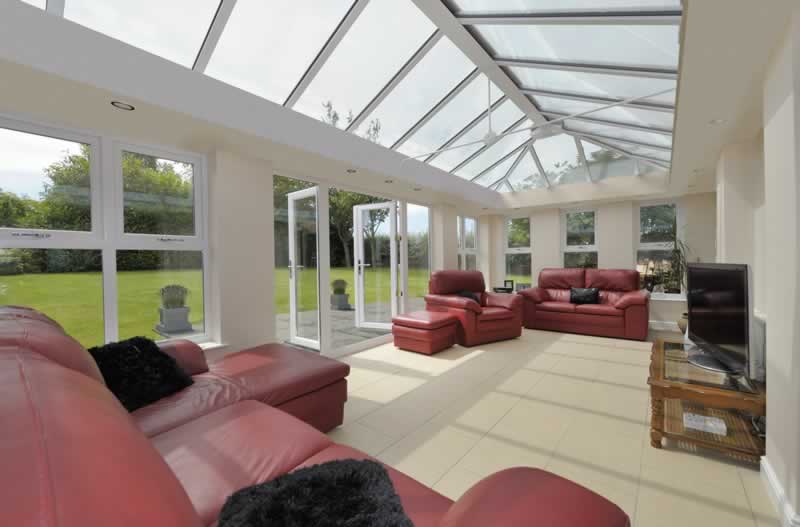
[(676, 387)]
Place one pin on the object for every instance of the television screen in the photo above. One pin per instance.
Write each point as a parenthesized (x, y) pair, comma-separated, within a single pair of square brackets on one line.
[(718, 312)]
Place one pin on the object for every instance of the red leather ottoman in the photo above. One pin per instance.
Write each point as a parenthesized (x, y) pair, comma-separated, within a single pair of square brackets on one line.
[(425, 332)]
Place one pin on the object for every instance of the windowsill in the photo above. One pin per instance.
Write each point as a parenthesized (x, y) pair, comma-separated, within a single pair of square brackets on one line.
[(668, 297)]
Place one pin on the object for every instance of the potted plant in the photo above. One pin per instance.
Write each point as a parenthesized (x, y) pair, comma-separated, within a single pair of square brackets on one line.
[(340, 300), (173, 313)]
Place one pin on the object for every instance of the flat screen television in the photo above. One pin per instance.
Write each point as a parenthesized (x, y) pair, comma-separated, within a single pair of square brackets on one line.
[(719, 316)]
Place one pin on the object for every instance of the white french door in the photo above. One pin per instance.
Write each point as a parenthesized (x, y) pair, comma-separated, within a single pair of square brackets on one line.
[(376, 259), (304, 268)]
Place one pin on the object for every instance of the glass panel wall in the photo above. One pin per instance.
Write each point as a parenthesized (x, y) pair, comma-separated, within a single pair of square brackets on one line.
[(419, 267)]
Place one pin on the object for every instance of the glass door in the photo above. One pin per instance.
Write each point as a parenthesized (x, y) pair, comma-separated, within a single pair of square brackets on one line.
[(375, 241), (303, 269)]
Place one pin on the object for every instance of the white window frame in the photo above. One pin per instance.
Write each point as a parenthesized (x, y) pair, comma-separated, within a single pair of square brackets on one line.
[(658, 246), (106, 235), (517, 250), (590, 248), (463, 251)]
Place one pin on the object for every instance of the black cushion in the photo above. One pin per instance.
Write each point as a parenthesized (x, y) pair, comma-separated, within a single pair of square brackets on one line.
[(343, 493), (579, 295), (470, 295), (138, 373)]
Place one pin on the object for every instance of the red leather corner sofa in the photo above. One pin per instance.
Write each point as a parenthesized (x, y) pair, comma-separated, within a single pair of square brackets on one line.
[(72, 456), (623, 311), (497, 316)]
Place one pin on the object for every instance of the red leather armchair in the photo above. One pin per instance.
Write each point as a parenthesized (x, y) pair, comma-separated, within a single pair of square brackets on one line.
[(495, 317), (623, 311)]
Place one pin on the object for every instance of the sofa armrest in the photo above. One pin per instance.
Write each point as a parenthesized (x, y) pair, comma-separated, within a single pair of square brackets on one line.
[(189, 356), (633, 298), (521, 497), (454, 301), (506, 300), (537, 295)]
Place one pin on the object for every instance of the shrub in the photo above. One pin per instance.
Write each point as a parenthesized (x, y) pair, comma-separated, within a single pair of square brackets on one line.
[(173, 296)]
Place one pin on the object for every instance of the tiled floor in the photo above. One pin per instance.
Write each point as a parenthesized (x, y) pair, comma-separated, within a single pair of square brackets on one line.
[(574, 405)]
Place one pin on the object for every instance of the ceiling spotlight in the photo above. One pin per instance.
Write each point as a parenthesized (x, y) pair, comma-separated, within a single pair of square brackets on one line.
[(716, 122), (388, 181), (351, 170), (417, 189), (119, 105)]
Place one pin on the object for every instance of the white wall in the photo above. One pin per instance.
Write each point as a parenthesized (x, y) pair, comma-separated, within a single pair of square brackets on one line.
[(615, 229), (241, 249), (782, 243), (444, 245)]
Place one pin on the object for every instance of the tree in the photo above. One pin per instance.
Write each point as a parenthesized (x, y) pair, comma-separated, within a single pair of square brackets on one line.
[(331, 116), (13, 210), (342, 203)]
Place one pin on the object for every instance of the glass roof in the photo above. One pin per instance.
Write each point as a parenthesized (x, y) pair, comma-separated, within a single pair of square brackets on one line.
[(381, 69)]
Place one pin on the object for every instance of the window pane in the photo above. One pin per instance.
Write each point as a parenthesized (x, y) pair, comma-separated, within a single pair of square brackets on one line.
[(604, 163), (518, 268), (494, 175), (656, 271), (158, 195), (519, 232), (451, 119), (460, 263), (160, 293), (620, 133), (560, 160), (470, 233), (174, 30), (619, 114), (66, 285), (353, 75), (267, 46), (418, 256), (662, 155), (580, 260), (526, 175), (657, 224), (597, 84), (503, 117), (44, 182), (471, 262), (486, 7), (625, 45), (491, 155), (580, 228), (439, 71)]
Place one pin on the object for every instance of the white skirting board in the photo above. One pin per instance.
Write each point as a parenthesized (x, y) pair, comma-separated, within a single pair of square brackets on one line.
[(788, 516), (663, 325)]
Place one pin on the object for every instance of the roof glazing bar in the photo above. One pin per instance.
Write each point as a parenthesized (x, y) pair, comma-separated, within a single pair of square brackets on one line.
[(482, 149), (327, 50), (55, 7), (523, 148), (396, 79), (639, 18), (437, 107), (221, 18), (461, 133), (538, 163), (582, 155), (601, 137), (629, 126), (494, 165), (609, 69), (600, 100), (657, 162)]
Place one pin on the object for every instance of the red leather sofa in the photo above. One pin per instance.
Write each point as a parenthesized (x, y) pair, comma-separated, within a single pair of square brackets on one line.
[(623, 311), (497, 316), (72, 456)]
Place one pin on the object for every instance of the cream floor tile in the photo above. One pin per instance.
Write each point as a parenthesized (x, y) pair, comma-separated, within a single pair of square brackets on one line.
[(564, 391), (630, 375), (682, 505), (456, 482), (543, 362), (361, 376), (534, 424), (396, 421), (388, 388), (765, 512), (492, 454), (577, 368), (590, 423), (355, 408), (518, 382), (478, 414), (361, 437)]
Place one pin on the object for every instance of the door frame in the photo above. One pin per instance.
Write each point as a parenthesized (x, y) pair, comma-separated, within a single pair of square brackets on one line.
[(293, 337), (359, 265)]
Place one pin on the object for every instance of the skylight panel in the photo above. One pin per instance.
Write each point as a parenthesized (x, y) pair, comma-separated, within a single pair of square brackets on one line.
[(595, 84), (620, 133), (654, 153), (494, 153), (494, 175), (437, 73), (503, 116), (174, 30), (382, 39), (486, 7), (266, 47), (619, 45), (560, 159), (526, 175), (604, 163), (453, 117), (620, 114)]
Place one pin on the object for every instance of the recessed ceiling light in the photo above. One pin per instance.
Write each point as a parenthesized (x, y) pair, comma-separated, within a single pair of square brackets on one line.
[(388, 181), (351, 170), (119, 105), (716, 122), (485, 208), (417, 189)]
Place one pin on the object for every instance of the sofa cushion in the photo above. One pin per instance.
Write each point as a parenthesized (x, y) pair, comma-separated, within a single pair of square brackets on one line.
[(276, 373), (241, 445), (584, 295), (612, 279), (552, 278), (451, 282), (559, 307), (599, 309), (495, 313)]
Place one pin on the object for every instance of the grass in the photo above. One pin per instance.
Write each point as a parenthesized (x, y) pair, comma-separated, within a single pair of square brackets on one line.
[(75, 300)]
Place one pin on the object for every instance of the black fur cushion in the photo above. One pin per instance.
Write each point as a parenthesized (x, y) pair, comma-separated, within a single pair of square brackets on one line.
[(344, 493), (579, 295), (138, 372), (470, 295)]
